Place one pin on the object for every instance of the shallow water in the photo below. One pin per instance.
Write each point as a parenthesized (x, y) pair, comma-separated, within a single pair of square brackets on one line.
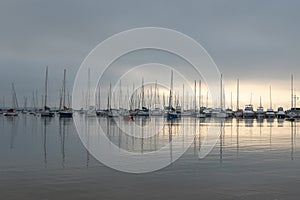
[(45, 159)]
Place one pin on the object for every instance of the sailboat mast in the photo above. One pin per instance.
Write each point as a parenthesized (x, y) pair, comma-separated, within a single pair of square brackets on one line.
[(260, 101), (221, 92), (3, 102), (109, 96), (171, 89), (14, 97), (142, 92), (206, 99), (89, 89), (64, 89), (231, 100), (25, 103), (292, 91), (183, 96), (46, 88), (238, 95), (120, 94), (155, 95), (200, 94), (270, 97), (99, 105), (195, 94), (108, 100)]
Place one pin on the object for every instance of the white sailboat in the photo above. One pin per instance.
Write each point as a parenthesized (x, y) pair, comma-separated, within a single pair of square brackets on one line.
[(111, 112), (270, 112), (219, 112), (260, 113), (157, 111), (239, 112), (248, 111), (229, 112), (294, 112), (91, 110)]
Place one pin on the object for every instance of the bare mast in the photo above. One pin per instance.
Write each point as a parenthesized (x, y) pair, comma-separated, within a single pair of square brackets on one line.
[(171, 89), (238, 95), (292, 91), (64, 89), (46, 89)]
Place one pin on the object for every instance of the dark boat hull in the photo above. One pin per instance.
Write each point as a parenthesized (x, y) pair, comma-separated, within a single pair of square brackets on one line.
[(64, 114)]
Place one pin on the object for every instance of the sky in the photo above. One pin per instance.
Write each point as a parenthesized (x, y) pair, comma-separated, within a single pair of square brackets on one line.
[(255, 41)]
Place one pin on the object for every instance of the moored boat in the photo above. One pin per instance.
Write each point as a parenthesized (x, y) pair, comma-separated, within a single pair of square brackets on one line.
[(65, 112), (171, 113), (10, 112), (270, 113), (248, 111), (280, 113), (229, 112)]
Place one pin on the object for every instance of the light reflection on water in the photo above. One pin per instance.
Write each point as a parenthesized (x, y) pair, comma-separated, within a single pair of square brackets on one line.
[(252, 159)]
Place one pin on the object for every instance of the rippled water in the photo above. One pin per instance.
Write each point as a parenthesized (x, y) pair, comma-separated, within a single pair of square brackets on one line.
[(45, 159)]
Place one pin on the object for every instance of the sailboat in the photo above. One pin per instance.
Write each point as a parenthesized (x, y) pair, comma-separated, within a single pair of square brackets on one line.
[(46, 112), (12, 111), (229, 112), (248, 111), (239, 112), (91, 111), (178, 108), (144, 111), (260, 113), (157, 110), (201, 114), (171, 114), (294, 112), (3, 105), (111, 112), (270, 112), (25, 111), (219, 112), (65, 112), (280, 113)]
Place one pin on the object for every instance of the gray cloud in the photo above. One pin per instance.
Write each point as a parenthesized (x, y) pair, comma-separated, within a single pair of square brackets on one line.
[(252, 40)]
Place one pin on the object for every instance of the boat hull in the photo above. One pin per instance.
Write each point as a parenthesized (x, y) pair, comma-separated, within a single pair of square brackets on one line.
[(47, 114), (11, 114), (65, 114), (171, 116)]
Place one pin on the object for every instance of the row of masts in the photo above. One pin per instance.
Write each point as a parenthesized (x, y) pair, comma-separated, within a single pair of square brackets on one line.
[(45, 109), (149, 100)]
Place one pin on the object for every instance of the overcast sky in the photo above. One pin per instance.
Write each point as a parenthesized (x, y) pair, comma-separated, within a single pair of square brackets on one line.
[(256, 41)]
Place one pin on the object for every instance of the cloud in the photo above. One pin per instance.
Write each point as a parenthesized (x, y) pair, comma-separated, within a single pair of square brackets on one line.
[(252, 40)]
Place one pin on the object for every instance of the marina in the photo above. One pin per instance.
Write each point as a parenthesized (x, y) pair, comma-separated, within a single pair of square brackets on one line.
[(138, 104), (150, 100)]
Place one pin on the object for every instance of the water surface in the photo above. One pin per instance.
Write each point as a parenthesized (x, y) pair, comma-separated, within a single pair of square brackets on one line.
[(44, 159)]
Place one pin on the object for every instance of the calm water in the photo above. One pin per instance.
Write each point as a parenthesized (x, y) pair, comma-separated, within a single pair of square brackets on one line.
[(45, 159)]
